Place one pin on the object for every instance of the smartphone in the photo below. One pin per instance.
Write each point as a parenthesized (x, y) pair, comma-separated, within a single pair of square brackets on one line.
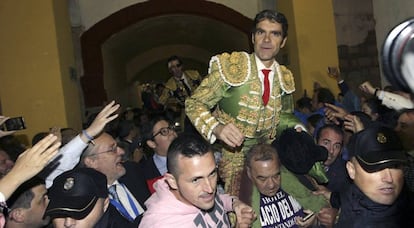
[(308, 216), (15, 124)]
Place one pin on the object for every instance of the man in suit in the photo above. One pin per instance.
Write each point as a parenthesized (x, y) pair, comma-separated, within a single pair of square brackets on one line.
[(127, 189)]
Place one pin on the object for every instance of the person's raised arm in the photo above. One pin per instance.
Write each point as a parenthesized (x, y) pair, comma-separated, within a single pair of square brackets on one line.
[(334, 113), (392, 100), (353, 123), (105, 116), (29, 163), (335, 73), (71, 152), (367, 87)]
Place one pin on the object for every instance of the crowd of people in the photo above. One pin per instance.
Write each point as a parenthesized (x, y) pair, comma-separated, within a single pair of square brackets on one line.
[(319, 162)]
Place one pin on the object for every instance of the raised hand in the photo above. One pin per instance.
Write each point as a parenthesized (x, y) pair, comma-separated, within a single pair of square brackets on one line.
[(353, 123), (367, 88), (334, 113), (105, 116), (34, 159), (29, 163), (334, 72)]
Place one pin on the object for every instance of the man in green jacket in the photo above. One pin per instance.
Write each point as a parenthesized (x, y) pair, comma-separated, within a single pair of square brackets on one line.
[(251, 95)]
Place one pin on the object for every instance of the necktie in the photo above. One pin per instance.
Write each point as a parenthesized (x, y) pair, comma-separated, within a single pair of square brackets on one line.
[(117, 203), (113, 194), (187, 89), (266, 83), (129, 211)]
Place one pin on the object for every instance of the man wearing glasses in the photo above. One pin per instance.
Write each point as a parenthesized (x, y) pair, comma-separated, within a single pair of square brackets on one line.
[(127, 189), (159, 135)]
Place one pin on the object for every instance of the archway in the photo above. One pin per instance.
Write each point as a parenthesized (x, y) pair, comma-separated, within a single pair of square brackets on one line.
[(157, 12)]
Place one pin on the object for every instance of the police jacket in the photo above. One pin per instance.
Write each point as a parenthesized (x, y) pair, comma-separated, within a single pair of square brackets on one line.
[(357, 210)]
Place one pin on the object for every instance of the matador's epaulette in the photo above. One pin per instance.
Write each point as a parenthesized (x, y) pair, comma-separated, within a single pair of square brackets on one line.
[(234, 68), (287, 81), (170, 84), (193, 74)]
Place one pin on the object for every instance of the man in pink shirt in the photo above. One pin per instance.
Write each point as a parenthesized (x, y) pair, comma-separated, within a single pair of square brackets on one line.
[(186, 196)]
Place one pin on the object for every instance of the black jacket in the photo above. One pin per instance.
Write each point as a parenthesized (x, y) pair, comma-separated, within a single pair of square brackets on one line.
[(112, 219), (150, 172), (135, 182), (357, 210)]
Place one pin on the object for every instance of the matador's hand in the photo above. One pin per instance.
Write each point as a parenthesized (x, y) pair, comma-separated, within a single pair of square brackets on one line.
[(229, 134)]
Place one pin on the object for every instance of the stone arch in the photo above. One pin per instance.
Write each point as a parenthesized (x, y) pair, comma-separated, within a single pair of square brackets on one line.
[(92, 39)]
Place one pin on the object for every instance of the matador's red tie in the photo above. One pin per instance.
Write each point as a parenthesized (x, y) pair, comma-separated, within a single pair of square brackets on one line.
[(266, 83)]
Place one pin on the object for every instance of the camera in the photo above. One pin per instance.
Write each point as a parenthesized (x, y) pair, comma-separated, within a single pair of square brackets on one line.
[(398, 56)]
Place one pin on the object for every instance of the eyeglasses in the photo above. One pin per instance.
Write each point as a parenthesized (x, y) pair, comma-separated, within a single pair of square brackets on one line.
[(113, 150), (164, 131)]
